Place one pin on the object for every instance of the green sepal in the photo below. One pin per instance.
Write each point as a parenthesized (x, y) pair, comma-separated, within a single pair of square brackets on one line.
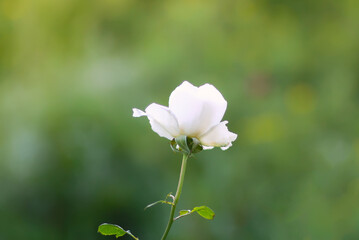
[(107, 229), (173, 145), (195, 145), (182, 143), (186, 145)]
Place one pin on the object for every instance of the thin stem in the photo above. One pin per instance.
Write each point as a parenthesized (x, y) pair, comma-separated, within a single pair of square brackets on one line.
[(177, 196), (181, 216), (129, 233)]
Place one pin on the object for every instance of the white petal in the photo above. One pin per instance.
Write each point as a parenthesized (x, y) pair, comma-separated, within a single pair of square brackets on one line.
[(184, 103), (226, 147), (162, 116), (138, 112), (214, 106), (197, 109), (162, 121), (207, 148), (218, 136)]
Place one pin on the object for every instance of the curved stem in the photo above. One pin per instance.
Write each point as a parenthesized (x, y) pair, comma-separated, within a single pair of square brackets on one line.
[(177, 196)]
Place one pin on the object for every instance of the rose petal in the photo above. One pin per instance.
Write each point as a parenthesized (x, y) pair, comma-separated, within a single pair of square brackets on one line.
[(197, 109), (214, 106), (138, 113), (218, 136), (184, 103), (162, 121), (207, 148)]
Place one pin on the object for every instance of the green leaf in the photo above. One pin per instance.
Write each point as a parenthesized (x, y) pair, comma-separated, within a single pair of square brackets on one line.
[(204, 212), (184, 212), (111, 229)]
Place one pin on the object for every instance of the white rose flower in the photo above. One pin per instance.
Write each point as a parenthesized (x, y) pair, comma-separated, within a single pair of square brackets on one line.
[(195, 112)]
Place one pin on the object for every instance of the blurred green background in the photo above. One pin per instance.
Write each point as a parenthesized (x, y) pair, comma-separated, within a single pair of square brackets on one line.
[(72, 156)]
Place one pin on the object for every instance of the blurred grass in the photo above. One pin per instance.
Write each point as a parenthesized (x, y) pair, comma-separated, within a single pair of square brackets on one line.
[(72, 157)]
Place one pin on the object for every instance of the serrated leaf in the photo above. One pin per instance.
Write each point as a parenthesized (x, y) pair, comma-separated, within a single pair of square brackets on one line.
[(204, 212), (111, 229)]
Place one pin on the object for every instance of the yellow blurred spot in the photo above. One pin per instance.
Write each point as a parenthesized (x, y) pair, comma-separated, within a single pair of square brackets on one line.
[(300, 99), (248, 10), (11, 9), (265, 128)]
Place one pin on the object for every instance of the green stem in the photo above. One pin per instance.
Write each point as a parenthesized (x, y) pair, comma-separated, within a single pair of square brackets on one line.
[(129, 233), (177, 196)]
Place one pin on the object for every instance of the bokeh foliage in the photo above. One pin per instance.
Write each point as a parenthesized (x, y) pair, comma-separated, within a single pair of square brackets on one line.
[(72, 157)]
